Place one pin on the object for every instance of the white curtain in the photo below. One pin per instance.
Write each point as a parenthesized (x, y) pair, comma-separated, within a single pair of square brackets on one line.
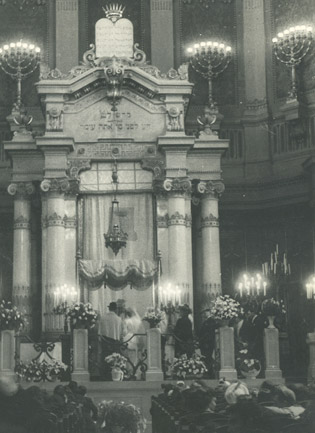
[(136, 216)]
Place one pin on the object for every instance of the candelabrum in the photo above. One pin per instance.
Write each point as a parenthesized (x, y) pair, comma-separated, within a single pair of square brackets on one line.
[(170, 300), (64, 297), (277, 270), (252, 285), (19, 60), (290, 46), (209, 59)]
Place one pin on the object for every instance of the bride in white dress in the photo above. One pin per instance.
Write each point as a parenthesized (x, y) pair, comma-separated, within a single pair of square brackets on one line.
[(133, 325)]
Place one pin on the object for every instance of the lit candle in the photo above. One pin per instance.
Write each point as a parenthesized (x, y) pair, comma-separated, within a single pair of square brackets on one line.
[(240, 288), (265, 285), (309, 291)]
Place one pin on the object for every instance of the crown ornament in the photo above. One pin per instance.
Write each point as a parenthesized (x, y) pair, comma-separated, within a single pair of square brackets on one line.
[(114, 11)]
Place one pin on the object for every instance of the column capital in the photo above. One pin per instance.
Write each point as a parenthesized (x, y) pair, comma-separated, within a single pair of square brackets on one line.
[(176, 185), (60, 186), (22, 190), (213, 188)]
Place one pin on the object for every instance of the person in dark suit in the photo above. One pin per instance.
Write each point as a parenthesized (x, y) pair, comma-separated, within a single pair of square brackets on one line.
[(207, 339), (183, 333)]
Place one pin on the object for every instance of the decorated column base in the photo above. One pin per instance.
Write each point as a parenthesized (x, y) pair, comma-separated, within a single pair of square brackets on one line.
[(227, 357), (7, 353), (271, 342), (154, 360), (80, 356), (310, 340)]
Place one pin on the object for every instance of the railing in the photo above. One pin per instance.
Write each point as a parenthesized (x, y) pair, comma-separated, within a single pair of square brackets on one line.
[(132, 349)]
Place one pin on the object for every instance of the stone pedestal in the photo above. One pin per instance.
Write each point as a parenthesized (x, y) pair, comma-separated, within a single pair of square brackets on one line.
[(227, 358), (80, 356), (271, 342), (154, 361), (310, 340), (7, 353)]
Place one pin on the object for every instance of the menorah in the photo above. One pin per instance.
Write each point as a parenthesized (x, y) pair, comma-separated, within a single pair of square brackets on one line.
[(290, 47), (209, 59), (19, 60)]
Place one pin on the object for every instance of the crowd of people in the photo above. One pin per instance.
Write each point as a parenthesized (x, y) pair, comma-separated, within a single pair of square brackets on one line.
[(34, 410), (233, 408)]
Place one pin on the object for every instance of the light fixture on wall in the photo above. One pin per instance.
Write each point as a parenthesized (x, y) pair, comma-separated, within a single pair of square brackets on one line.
[(290, 46), (115, 238), (310, 287), (209, 59), (19, 60)]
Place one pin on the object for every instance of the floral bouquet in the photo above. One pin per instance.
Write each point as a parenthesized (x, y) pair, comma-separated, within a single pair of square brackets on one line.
[(184, 366), (81, 314), (40, 370), (225, 308), (116, 360), (250, 364), (245, 363), (271, 307), (10, 317), (127, 416), (153, 317)]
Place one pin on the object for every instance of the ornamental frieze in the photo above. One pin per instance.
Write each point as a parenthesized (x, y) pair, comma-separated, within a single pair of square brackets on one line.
[(70, 221), (76, 166), (21, 223), (24, 189), (161, 221), (56, 220), (154, 164), (209, 221), (176, 219)]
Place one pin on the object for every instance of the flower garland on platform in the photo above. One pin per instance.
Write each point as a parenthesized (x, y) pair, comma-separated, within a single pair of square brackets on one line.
[(153, 317), (184, 366), (38, 371)]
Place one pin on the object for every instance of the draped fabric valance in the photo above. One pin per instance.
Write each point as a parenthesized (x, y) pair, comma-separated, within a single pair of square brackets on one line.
[(117, 274)]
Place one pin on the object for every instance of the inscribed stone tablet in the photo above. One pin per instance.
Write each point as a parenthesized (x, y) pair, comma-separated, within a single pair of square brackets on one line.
[(114, 39)]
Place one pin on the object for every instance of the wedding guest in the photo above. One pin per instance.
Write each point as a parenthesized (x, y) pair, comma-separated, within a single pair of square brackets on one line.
[(207, 339), (183, 333), (111, 323), (89, 410)]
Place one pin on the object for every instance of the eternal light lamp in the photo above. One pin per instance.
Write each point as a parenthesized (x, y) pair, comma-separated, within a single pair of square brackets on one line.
[(209, 59), (290, 46), (115, 238), (18, 60)]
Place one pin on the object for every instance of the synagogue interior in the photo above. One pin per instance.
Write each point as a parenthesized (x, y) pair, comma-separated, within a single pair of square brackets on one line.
[(157, 225)]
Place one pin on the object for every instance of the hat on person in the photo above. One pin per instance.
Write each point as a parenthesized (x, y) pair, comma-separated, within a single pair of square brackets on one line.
[(185, 308), (112, 306)]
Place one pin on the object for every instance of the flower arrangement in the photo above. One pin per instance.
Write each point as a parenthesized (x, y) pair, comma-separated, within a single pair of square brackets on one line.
[(81, 314), (225, 308), (271, 307), (40, 370), (183, 366), (250, 364), (127, 416), (10, 317), (116, 360), (153, 317)]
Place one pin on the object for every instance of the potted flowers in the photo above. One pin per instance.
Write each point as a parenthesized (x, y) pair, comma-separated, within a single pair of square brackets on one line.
[(224, 309), (82, 316), (120, 418), (183, 366), (118, 364), (272, 308), (10, 317), (38, 371), (249, 367), (153, 317)]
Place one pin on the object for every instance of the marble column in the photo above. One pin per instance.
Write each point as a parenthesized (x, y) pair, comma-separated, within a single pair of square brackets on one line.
[(210, 241), (54, 220), (162, 39), (21, 292), (310, 340), (178, 248)]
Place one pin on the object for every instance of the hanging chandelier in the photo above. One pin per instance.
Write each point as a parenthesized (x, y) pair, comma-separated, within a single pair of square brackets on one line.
[(115, 238)]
